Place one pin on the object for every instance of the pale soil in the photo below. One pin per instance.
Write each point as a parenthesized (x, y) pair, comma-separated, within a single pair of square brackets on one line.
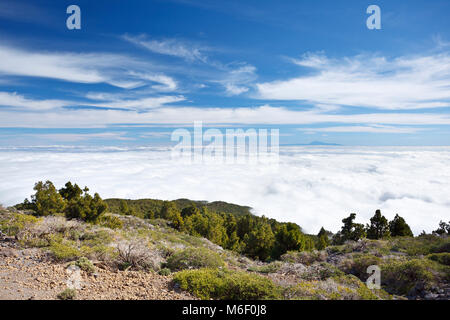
[(28, 274)]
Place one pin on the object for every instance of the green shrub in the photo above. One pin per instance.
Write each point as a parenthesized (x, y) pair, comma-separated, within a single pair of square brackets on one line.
[(359, 265), (268, 268), (68, 294), (343, 287), (97, 237), (442, 247), (305, 257), (111, 222), (421, 245), (227, 285), (194, 258), (400, 277), (165, 272), (18, 224), (442, 258), (63, 250), (322, 271), (85, 264)]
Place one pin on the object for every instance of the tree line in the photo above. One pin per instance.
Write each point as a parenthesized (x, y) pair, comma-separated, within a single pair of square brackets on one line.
[(257, 237)]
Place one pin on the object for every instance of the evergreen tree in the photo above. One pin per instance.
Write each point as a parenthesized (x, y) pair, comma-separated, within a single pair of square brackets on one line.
[(399, 228), (170, 212), (350, 230), (260, 241), (70, 192), (379, 227), (85, 207), (444, 228), (46, 201), (189, 211), (288, 238), (322, 239)]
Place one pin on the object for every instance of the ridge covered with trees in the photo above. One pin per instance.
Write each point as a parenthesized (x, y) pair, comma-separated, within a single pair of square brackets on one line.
[(225, 252), (231, 226)]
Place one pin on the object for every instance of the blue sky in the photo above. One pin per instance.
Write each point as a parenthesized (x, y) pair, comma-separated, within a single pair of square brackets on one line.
[(139, 69)]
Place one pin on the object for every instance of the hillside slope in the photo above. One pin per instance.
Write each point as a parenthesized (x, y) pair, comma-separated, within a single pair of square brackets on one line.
[(147, 259)]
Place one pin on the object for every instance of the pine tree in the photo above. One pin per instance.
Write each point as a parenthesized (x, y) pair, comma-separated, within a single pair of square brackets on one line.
[(289, 238), (350, 231), (379, 227), (260, 241), (322, 239), (170, 212), (47, 201), (399, 228)]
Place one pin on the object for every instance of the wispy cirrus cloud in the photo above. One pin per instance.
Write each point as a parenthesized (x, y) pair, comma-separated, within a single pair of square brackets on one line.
[(108, 101), (235, 77), (91, 68), (364, 129), (137, 104), (171, 47), (182, 115), (239, 79), (15, 100), (403, 83)]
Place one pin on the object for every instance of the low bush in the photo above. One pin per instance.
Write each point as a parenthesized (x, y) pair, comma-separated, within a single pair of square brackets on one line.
[(194, 258), (401, 277), (443, 247), (137, 254), (358, 265), (97, 237), (421, 245), (110, 221), (165, 272), (19, 225), (85, 264), (227, 285), (321, 271), (305, 257), (64, 250), (68, 294), (344, 287), (442, 258), (268, 268)]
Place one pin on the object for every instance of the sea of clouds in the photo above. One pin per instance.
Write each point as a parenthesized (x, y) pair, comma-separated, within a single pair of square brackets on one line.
[(312, 186)]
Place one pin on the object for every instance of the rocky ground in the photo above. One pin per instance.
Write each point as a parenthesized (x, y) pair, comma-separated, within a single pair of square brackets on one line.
[(27, 274)]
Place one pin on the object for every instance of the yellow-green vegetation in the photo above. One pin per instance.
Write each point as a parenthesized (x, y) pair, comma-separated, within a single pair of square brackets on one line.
[(401, 277), (231, 254), (16, 224), (85, 264), (64, 250), (227, 285), (67, 294), (346, 287), (421, 245), (148, 245), (268, 268), (110, 221), (359, 263), (305, 257), (442, 258), (194, 258)]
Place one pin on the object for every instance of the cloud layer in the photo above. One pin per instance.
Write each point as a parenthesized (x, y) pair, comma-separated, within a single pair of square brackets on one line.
[(312, 186), (367, 81)]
